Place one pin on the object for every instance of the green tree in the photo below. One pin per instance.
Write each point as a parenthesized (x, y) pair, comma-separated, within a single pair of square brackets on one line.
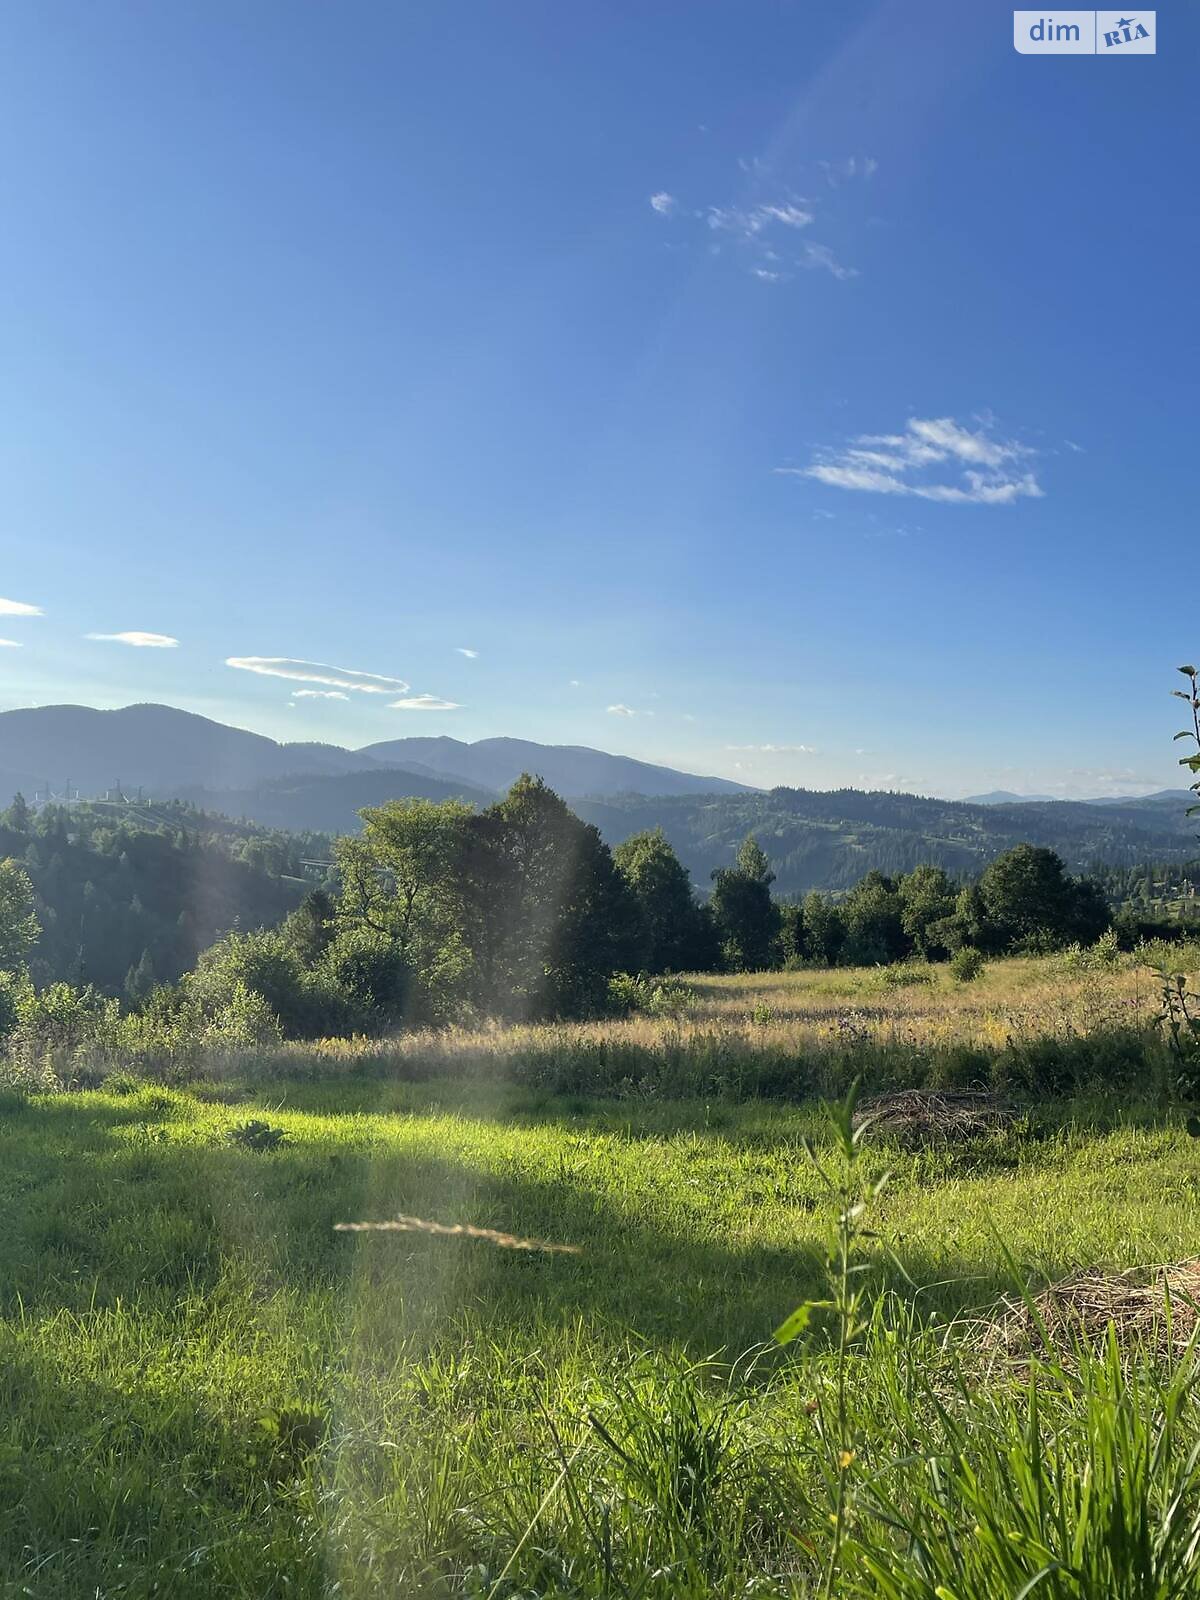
[(824, 929), (262, 963), (1031, 900), (549, 918), (873, 917), (18, 817), (746, 917), (312, 926), (404, 881), (372, 972), (926, 900), (672, 932), (19, 926), (140, 980)]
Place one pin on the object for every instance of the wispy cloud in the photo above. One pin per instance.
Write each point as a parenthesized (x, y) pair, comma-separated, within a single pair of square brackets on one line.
[(138, 639), (423, 702), (471, 655), (839, 172), (318, 672), (752, 222), (820, 255), (319, 694), (990, 471), (621, 711), (18, 608), (762, 233), (10, 644), (777, 749)]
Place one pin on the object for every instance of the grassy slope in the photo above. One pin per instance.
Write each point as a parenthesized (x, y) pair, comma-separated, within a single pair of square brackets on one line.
[(205, 1391)]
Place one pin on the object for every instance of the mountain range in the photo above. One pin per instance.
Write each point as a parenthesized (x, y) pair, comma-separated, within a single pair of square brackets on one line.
[(814, 838), (167, 752)]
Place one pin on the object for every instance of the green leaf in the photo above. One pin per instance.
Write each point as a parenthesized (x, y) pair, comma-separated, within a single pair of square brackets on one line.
[(792, 1327), (1188, 672)]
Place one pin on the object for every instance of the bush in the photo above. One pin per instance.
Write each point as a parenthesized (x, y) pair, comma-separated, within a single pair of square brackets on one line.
[(967, 964), (1106, 952), (655, 997), (370, 972), (58, 1027), (902, 975)]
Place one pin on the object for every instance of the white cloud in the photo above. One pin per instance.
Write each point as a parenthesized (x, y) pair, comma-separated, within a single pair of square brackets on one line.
[(752, 222), (989, 470), (777, 749), (10, 644), (820, 255), (471, 655), (574, 683), (621, 711), (423, 702), (760, 231), (18, 608), (139, 640), (319, 694), (318, 672)]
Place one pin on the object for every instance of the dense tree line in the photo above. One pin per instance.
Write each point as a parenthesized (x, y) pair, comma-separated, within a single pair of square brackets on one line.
[(439, 913)]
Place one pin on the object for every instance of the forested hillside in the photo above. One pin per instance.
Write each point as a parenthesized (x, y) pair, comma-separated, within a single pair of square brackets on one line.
[(128, 896), (815, 839), (829, 839)]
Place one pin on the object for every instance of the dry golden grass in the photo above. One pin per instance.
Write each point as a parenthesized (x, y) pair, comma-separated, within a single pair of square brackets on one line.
[(803, 1011)]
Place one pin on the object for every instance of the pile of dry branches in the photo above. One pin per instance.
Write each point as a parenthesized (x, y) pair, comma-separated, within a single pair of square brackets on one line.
[(917, 1116)]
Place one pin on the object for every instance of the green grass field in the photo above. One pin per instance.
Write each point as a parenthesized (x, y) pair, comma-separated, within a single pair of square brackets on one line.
[(205, 1390)]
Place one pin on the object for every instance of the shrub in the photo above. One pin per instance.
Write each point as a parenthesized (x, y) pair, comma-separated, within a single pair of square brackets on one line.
[(902, 975), (656, 997), (244, 1021), (370, 972), (967, 964), (256, 1135)]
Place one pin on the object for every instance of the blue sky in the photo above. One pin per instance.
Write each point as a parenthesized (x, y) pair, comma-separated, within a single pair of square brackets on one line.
[(804, 394)]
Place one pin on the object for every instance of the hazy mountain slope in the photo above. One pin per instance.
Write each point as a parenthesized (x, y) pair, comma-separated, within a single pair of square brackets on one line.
[(329, 804), (572, 770), (1001, 797), (159, 748), (167, 751)]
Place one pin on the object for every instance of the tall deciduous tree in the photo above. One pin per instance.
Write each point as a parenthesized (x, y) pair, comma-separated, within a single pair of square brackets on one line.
[(549, 917), (746, 917), (673, 932)]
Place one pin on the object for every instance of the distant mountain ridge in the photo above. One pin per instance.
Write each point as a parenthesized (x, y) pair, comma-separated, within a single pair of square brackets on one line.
[(167, 751), (1003, 797), (574, 770)]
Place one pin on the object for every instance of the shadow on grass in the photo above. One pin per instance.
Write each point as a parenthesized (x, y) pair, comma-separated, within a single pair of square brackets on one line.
[(141, 1203)]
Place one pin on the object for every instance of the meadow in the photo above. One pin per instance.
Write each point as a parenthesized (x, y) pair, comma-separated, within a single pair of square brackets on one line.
[(207, 1389)]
